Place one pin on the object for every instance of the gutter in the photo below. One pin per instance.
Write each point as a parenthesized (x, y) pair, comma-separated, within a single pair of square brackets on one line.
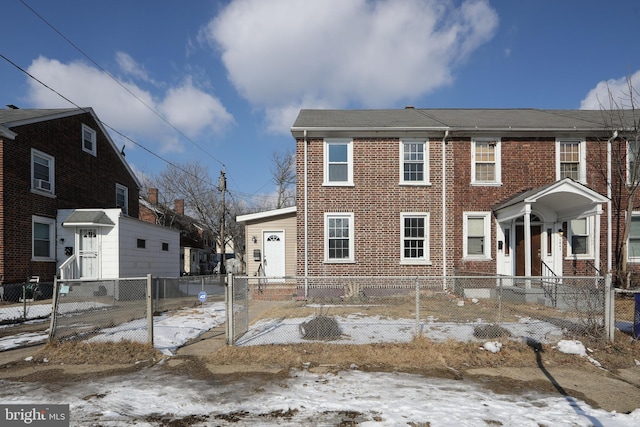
[(306, 215), (444, 207)]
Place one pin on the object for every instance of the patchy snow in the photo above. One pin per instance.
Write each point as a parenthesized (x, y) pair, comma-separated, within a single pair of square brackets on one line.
[(371, 398)]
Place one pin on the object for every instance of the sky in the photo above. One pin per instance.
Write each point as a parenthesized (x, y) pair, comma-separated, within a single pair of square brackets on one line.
[(313, 397), (221, 82)]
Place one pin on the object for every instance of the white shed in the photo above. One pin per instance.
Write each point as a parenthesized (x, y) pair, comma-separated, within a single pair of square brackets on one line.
[(105, 244)]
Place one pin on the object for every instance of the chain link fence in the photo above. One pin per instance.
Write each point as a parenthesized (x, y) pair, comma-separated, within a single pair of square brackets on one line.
[(359, 310), (123, 309)]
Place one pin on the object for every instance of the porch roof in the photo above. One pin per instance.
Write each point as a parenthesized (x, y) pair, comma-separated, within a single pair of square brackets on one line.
[(87, 218), (559, 201)]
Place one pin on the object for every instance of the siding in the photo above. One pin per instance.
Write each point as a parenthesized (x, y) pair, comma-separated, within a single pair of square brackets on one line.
[(286, 223)]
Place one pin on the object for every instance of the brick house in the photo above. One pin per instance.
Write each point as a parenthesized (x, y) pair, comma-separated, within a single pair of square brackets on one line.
[(197, 243), (62, 178), (518, 192)]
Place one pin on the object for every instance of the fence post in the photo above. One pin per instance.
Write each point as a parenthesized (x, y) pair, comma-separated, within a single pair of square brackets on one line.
[(54, 310), (417, 307), (149, 310), (228, 302), (609, 308)]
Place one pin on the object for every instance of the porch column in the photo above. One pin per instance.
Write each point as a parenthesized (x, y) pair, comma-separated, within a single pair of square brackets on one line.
[(597, 237), (527, 240)]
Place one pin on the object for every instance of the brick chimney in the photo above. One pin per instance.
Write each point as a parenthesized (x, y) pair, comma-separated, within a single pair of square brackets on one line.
[(153, 196), (178, 206)]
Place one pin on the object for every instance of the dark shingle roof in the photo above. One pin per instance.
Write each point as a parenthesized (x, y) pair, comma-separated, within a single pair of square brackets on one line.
[(455, 119), (13, 117)]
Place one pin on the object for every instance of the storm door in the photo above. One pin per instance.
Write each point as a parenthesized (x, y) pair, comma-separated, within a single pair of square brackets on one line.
[(88, 253)]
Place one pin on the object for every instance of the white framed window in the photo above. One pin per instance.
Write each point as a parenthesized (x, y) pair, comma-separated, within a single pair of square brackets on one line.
[(338, 237), (580, 237), (633, 153), (633, 245), (414, 161), (486, 167), (122, 198), (43, 238), (414, 229), (477, 235), (89, 140), (42, 172), (338, 162), (571, 160)]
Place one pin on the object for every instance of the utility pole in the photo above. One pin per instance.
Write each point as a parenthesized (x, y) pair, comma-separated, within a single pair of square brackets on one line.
[(222, 186)]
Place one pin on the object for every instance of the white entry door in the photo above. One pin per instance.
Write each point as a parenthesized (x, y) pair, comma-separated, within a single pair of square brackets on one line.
[(88, 252), (273, 259)]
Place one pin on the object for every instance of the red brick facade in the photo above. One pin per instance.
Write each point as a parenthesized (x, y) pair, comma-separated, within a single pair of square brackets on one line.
[(377, 198), (81, 181)]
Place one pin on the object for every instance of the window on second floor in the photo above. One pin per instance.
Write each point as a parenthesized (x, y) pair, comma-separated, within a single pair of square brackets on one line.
[(485, 161), (42, 172), (122, 198), (633, 167), (338, 162), (414, 162), (89, 140), (571, 160)]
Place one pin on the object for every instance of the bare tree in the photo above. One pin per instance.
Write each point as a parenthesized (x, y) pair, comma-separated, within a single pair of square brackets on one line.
[(283, 172), (621, 117)]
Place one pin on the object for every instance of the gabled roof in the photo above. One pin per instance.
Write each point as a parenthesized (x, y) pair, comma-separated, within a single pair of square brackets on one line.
[(459, 120), (82, 217), (14, 117)]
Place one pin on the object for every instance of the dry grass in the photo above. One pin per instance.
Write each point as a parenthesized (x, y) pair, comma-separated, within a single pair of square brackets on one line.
[(423, 355), (106, 353)]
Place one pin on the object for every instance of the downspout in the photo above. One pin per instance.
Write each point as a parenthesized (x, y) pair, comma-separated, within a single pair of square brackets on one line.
[(306, 218), (444, 208), (609, 209)]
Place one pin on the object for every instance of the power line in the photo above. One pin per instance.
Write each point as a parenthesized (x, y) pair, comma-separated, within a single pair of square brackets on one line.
[(119, 83)]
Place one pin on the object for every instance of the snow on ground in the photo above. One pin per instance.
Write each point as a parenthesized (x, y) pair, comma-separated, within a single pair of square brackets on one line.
[(374, 399)]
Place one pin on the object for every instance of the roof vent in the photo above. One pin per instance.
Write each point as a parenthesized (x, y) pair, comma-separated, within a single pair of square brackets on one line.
[(13, 107), (409, 107)]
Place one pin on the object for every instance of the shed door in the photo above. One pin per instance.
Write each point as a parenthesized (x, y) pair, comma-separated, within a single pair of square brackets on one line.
[(88, 252), (273, 259)]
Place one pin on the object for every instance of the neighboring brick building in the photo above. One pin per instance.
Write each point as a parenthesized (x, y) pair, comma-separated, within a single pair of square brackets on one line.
[(518, 192), (197, 244), (52, 161)]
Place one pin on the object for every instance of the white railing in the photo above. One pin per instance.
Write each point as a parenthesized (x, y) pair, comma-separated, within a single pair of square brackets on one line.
[(69, 269)]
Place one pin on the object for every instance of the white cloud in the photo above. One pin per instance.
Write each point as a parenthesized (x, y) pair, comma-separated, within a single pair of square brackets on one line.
[(285, 53), (186, 107), (131, 67), (613, 93)]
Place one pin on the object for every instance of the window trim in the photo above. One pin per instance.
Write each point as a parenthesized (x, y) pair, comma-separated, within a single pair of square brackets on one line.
[(630, 154), (425, 161), (125, 189), (351, 258), (426, 259), (94, 150), (52, 174), (486, 216), (633, 259), (590, 240), (349, 180), (51, 222), (497, 161), (582, 161)]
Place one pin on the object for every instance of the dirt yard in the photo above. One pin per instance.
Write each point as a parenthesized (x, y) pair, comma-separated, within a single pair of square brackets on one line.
[(517, 369)]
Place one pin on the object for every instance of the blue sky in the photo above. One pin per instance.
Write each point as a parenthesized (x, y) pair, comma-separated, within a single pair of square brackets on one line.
[(221, 82)]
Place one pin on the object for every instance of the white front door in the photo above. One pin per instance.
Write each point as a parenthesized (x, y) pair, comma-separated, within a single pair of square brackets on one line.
[(273, 259), (88, 252)]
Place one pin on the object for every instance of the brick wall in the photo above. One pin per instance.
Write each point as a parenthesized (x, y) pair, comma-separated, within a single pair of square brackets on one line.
[(81, 181)]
